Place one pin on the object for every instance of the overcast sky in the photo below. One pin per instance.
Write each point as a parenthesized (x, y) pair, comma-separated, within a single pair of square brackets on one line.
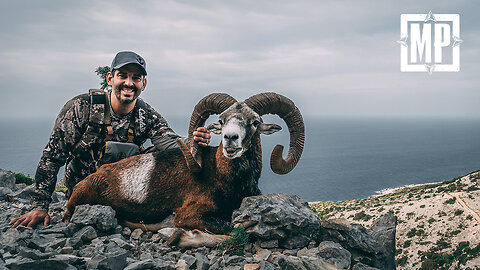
[(333, 58)]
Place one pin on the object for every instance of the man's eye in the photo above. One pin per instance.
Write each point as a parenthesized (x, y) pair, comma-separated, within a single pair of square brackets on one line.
[(137, 78), (122, 76)]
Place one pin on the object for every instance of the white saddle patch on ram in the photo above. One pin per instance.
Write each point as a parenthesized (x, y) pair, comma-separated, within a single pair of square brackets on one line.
[(134, 179)]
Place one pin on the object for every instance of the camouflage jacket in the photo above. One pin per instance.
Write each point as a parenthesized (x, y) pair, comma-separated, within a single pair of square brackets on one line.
[(70, 126)]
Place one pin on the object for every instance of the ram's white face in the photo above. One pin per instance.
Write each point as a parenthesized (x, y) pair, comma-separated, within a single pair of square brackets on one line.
[(237, 125)]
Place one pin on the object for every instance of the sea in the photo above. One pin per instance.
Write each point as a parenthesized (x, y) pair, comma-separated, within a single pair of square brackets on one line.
[(344, 158)]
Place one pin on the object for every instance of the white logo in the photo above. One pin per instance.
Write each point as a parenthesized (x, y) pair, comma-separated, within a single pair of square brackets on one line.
[(430, 42)]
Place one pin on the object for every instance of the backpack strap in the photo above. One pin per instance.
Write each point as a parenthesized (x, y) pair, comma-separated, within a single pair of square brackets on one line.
[(98, 107), (93, 134)]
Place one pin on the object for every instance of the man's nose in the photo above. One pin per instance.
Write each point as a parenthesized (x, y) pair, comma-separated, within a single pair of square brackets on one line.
[(129, 81)]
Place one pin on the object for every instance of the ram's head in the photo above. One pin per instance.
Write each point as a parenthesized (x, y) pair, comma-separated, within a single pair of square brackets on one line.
[(237, 125), (239, 122)]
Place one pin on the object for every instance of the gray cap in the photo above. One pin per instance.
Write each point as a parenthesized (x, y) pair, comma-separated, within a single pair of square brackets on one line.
[(125, 58)]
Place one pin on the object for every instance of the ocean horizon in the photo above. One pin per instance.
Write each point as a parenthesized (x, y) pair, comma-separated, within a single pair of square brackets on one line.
[(344, 158)]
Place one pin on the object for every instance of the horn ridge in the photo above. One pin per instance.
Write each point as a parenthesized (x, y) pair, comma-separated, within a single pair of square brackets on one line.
[(214, 103), (273, 103)]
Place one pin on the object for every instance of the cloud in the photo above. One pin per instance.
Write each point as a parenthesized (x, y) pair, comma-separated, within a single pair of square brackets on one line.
[(332, 58)]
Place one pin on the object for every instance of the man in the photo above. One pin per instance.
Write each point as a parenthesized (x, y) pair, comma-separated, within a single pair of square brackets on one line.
[(86, 122)]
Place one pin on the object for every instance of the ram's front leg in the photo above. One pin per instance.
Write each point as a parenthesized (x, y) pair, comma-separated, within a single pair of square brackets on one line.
[(83, 193), (202, 216)]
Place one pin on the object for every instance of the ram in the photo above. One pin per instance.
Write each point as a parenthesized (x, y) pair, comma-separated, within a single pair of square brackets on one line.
[(201, 185)]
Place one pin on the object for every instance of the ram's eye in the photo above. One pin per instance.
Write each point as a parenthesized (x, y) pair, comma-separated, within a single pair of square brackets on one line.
[(220, 122), (256, 123)]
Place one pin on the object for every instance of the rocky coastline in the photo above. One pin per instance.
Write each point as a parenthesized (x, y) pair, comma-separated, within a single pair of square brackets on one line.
[(283, 233)]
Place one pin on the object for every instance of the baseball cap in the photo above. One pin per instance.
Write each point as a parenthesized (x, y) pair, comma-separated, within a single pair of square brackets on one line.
[(125, 58)]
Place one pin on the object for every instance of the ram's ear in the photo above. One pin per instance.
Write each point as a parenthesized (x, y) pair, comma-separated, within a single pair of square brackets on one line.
[(215, 128), (268, 129)]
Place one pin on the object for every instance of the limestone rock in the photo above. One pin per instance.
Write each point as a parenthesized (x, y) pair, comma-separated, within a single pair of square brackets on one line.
[(136, 234), (140, 265), (29, 264), (22, 194), (4, 192), (315, 263), (339, 224), (33, 254), (363, 245), (291, 262), (335, 254), (383, 230), (7, 179), (46, 242), (99, 216), (113, 261), (281, 217), (84, 235), (58, 197)]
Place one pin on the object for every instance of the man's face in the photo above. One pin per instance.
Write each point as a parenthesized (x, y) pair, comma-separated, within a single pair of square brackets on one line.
[(127, 83)]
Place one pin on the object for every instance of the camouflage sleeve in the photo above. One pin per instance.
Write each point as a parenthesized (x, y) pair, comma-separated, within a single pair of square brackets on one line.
[(160, 133), (70, 123)]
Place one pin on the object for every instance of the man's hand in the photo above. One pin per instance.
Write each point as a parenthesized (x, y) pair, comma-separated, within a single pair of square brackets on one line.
[(31, 219), (202, 136)]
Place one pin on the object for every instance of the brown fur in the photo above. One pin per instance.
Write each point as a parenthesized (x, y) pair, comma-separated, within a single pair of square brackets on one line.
[(203, 200)]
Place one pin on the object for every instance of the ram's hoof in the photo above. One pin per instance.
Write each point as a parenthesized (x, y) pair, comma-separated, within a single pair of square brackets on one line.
[(66, 218), (175, 238)]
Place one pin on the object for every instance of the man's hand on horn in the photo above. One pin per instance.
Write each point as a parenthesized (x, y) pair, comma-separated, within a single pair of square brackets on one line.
[(202, 136)]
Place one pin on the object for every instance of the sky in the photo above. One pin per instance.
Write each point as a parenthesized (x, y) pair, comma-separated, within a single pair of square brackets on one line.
[(332, 58)]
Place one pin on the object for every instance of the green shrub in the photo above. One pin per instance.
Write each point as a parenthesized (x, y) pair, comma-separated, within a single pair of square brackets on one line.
[(451, 200), (361, 216), (455, 232), (21, 178), (412, 233), (235, 244), (441, 244), (472, 188), (402, 261), (429, 264), (458, 212)]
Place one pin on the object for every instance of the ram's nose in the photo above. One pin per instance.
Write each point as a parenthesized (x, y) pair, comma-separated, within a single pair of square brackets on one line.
[(230, 138)]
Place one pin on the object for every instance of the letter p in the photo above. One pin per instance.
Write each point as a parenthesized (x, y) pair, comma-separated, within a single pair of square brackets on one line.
[(442, 39)]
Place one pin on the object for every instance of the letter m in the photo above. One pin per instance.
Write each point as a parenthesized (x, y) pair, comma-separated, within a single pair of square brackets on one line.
[(421, 42)]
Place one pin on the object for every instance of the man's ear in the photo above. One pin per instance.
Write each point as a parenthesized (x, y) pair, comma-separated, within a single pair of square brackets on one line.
[(215, 128), (109, 78), (268, 129)]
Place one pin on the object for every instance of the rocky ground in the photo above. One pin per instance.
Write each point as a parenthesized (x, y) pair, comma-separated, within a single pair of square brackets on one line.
[(283, 233), (438, 224)]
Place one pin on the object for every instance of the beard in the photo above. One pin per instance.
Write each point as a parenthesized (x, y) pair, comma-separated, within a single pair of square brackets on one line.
[(131, 94)]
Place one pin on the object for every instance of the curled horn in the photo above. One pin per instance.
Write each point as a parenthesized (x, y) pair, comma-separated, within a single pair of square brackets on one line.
[(273, 103), (214, 103)]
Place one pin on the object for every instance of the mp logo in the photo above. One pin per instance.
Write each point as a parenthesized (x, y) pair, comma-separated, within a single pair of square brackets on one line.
[(430, 42)]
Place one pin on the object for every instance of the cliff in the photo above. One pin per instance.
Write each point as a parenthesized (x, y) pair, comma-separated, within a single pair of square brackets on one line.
[(438, 224)]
